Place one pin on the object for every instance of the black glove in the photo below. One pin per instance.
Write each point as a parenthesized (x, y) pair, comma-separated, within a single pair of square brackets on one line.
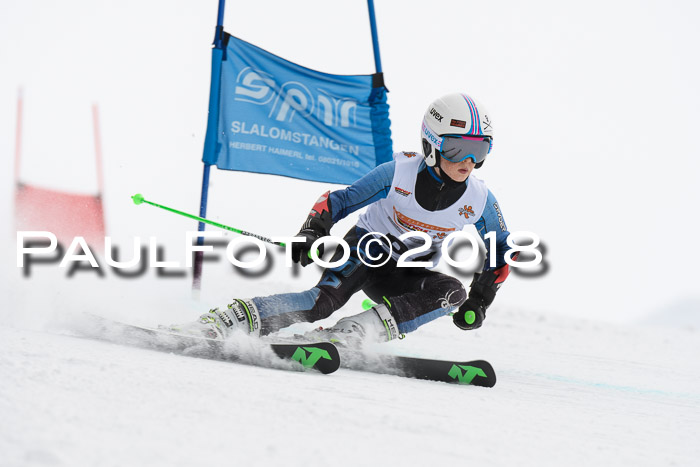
[(470, 315), (481, 294), (301, 252), (318, 224)]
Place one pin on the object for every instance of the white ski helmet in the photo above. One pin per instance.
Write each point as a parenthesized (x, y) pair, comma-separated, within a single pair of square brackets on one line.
[(461, 116)]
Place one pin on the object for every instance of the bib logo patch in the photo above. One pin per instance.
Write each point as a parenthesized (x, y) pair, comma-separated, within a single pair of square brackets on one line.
[(402, 192), (407, 224), (466, 211)]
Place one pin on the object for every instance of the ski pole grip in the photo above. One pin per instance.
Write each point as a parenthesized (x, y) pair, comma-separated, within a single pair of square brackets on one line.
[(318, 253)]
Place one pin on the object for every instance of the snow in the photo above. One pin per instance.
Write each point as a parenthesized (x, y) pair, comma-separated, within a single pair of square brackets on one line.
[(569, 392), (596, 152)]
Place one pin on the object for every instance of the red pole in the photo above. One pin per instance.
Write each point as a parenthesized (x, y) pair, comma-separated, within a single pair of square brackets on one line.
[(98, 148)]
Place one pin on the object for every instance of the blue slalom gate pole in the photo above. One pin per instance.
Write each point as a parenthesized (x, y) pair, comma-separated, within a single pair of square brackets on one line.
[(375, 39), (211, 139)]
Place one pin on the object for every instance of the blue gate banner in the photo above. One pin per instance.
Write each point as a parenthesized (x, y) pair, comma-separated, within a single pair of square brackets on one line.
[(277, 117)]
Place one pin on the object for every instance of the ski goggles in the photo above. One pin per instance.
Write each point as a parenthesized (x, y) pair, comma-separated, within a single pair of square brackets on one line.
[(456, 148)]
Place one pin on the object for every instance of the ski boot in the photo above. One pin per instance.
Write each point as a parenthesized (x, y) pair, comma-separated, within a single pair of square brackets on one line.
[(371, 326), (241, 315)]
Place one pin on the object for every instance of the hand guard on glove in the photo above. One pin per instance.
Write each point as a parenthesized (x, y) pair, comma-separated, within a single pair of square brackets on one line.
[(318, 224)]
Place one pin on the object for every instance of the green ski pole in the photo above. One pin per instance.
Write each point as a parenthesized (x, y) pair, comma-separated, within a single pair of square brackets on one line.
[(139, 199)]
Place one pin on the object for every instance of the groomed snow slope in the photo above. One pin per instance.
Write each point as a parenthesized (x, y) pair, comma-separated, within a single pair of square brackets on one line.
[(569, 393)]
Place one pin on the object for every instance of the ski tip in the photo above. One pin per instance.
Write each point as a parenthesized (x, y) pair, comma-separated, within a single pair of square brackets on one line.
[(331, 365), (474, 373), (137, 198)]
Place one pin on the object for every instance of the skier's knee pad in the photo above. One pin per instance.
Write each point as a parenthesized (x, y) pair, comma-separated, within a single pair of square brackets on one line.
[(450, 290)]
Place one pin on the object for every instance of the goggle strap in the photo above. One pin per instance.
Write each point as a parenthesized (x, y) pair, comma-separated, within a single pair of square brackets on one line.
[(431, 136)]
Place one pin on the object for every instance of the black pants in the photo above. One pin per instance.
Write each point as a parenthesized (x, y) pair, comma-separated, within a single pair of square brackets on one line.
[(414, 296)]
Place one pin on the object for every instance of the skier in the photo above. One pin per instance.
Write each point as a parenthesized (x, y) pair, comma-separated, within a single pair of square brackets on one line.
[(436, 194)]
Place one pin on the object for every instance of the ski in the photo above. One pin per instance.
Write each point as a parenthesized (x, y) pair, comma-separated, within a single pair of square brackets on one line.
[(320, 356), (475, 372)]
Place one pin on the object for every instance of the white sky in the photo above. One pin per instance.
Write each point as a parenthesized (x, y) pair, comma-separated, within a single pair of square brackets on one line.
[(595, 107)]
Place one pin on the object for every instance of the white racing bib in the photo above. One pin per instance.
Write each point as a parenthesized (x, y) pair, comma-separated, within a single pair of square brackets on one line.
[(399, 212)]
